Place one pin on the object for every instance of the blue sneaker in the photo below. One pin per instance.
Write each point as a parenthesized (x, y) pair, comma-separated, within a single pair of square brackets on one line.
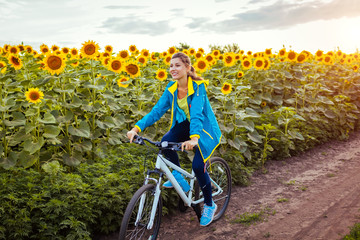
[(208, 214), (168, 184), (180, 179)]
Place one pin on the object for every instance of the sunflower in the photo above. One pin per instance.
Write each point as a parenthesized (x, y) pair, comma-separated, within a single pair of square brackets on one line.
[(34, 95), (6, 47), (65, 50), (172, 50), (216, 53), (164, 54), (331, 53), (354, 67), (14, 50), (142, 59), (229, 59), (74, 52), (2, 67), (282, 52), (266, 63), (167, 60), (75, 64), (108, 48), (145, 53), (210, 58), (192, 51), (121, 81), (105, 55), (291, 56), (115, 65), (15, 61), (249, 53), (124, 55), (319, 53), (201, 50), (198, 55), (240, 74), (54, 64), (21, 47), (154, 56), (226, 88), (201, 65), (90, 49), (185, 51), (105, 60), (301, 58), (246, 64), (263, 104), (54, 48), (259, 63), (161, 74), (133, 49), (29, 49), (44, 48), (132, 69), (328, 59), (268, 52)]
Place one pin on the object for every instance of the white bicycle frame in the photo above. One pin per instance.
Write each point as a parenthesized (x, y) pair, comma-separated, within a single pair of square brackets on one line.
[(162, 164)]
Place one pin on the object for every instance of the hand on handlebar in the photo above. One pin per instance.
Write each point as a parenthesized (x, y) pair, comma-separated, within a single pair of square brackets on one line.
[(190, 144), (131, 134)]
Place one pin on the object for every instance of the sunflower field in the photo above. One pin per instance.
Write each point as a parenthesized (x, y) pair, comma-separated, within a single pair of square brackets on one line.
[(65, 111)]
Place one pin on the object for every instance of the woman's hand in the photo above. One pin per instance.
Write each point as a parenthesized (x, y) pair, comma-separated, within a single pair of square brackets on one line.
[(131, 134), (190, 144)]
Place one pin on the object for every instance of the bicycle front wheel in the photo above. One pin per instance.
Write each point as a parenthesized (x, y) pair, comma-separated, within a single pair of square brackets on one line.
[(219, 172), (132, 229)]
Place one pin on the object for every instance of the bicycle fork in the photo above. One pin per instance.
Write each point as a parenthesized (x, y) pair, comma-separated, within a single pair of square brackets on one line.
[(156, 198)]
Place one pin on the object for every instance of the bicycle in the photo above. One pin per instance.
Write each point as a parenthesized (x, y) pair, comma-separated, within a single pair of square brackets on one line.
[(142, 216)]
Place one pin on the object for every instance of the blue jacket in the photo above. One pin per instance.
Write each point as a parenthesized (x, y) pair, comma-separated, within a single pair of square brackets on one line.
[(203, 122)]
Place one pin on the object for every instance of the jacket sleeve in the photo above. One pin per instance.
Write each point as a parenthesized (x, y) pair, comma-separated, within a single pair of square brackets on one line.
[(156, 112), (197, 111)]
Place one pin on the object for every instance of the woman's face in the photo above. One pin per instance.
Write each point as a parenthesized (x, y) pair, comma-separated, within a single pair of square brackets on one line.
[(178, 69)]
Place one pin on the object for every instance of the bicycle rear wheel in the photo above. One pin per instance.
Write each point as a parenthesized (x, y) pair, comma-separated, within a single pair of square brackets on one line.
[(220, 173), (130, 230)]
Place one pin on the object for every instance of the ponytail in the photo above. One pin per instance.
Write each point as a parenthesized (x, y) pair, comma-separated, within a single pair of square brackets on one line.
[(193, 75), (186, 60)]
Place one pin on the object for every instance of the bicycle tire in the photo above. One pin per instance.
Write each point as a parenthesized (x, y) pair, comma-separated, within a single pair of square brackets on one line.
[(220, 173), (128, 230)]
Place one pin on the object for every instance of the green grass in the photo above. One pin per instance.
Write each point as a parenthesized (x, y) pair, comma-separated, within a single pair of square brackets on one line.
[(354, 233)]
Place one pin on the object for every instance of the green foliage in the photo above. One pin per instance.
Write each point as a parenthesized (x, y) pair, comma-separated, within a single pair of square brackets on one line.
[(354, 233), (61, 205)]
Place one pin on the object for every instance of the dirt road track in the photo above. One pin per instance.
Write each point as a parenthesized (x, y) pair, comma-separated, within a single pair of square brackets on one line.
[(315, 195)]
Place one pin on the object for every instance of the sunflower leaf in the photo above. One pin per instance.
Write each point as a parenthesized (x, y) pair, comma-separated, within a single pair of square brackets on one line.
[(51, 131), (82, 131), (27, 160), (18, 120), (48, 118), (10, 161)]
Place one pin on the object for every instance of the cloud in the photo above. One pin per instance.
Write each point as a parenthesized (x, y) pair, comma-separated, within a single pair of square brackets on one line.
[(177, 12), (132, 25), (124, 7), (281, 15)]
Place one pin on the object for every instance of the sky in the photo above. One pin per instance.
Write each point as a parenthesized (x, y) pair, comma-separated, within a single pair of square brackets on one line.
[(156, 25)]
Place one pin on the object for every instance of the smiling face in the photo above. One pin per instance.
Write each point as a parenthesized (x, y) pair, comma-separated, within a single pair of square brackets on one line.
[(178, 69)]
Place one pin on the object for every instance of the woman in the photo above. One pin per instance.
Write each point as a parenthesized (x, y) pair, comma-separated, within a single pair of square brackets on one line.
[(192, 122)]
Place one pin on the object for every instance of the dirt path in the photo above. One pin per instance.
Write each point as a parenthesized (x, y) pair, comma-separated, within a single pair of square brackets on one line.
[(315, 195)]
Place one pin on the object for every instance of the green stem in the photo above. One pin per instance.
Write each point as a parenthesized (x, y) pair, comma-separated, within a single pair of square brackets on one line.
[(4, 141)]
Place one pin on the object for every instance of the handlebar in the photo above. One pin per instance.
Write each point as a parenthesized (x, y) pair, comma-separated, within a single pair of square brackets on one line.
[(165, 145)]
